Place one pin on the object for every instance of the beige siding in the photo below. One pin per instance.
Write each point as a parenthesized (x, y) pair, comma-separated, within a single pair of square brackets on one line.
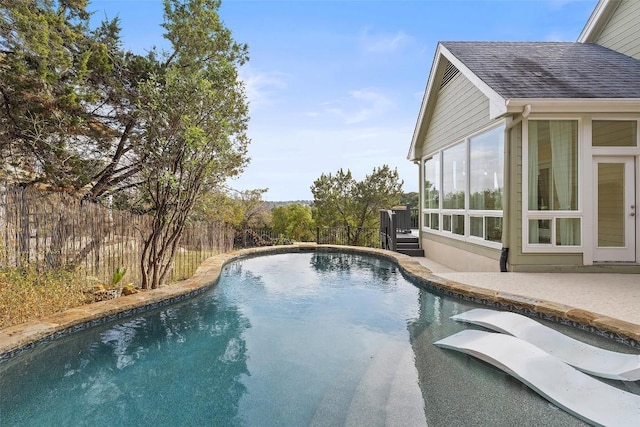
[(460, 109), (622, 32), (515, 193)]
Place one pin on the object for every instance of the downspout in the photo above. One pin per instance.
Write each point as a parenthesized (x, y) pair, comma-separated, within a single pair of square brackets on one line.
[(506, 207)]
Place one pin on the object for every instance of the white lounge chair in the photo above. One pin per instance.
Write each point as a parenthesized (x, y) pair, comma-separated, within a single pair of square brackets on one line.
[(583, 396), (593, 360)]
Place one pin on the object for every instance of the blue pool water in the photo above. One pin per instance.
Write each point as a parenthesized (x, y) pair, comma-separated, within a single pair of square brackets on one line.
[(285, 340)]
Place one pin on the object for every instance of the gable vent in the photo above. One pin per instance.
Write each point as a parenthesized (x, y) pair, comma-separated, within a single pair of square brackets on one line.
[(449, 73)]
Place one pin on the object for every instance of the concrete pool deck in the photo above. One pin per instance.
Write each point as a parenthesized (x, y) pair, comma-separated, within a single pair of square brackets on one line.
[(599, 295), (608, 303)]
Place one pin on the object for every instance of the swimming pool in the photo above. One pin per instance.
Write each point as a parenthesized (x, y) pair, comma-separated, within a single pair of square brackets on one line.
[(291, 339)]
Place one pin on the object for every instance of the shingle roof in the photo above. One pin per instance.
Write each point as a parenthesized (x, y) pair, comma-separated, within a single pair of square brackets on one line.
[(550, 69)]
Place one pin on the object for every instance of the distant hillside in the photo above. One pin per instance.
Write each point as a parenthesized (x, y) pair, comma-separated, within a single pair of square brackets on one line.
[(289, 202)]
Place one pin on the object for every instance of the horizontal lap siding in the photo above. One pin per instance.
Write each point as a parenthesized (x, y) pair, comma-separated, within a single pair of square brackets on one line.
[(622, 32), (515, 192), (460, 109)]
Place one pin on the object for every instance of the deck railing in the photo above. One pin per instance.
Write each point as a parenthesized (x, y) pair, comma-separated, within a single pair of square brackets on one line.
[(415, 218), (351, 236), (387, 230)]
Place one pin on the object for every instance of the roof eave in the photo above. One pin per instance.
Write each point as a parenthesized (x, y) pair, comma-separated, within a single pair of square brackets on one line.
[(497, 104), (428, 95), (598, 19), (572, 105)]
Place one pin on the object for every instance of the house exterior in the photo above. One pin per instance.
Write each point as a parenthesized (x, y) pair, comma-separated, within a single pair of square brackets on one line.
[(529, 153)]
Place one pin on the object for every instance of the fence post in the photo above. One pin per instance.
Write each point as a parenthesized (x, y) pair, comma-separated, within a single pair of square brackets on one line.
[(24, 231)]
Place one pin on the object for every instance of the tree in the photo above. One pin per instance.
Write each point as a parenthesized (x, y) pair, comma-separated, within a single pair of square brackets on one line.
[(409, 199), (47, 60), (195, 118), (342, 201), (294, 221), (242, 209), (155, 131)]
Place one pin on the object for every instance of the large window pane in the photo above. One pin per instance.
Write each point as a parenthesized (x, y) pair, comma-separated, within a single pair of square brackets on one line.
[(431, 183), (486, 170), (453, 177), (553, 165), (608, 133)]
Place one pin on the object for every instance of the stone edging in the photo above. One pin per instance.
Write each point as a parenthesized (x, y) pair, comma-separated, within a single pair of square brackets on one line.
[(18, 338)]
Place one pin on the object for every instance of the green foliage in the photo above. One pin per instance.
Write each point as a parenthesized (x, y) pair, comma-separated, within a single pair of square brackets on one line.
[(82, 113), (409, 199), (48, 61), (294, 221), (242, 209), (340, 200), (195, 115), (117, 275)]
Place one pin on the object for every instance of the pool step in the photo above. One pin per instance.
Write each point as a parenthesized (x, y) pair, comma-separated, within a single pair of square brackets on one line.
[(385, 394)]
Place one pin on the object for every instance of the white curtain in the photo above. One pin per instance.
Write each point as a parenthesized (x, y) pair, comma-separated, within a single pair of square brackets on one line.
[(562, 168), (534, 232)]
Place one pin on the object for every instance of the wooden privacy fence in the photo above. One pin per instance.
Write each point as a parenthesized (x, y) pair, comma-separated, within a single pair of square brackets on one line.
[(48, 230)]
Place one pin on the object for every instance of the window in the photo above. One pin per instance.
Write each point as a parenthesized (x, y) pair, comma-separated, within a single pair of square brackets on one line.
[(432, 183), (454, 177), (431, 191), (486, 169), (553, 183), (553, 165), (463, 189)]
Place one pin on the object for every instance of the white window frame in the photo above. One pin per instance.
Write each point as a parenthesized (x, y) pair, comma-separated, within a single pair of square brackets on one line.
[(466, 212), (590, 152), (552, 215)]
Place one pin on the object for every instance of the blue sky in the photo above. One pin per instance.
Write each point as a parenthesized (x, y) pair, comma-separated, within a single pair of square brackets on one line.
[(338, 84)]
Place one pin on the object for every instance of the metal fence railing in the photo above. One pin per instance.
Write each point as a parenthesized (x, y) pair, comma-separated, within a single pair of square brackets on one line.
[(352, 236), (415, 218)]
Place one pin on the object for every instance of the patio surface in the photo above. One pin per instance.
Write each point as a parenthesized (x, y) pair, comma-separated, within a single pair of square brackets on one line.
[(613, 295)]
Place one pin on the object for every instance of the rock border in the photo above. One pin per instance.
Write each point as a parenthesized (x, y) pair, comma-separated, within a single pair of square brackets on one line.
[(19, 338)]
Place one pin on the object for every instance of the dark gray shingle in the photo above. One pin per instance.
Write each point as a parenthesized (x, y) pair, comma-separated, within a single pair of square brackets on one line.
[(550, 70)]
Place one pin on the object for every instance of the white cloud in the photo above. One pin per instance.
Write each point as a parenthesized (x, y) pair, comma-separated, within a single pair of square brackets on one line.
[(361, 106), (262, 86), (383, 43)]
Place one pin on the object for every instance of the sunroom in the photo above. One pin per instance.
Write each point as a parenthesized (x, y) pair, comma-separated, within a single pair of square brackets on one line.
[(529, 157)]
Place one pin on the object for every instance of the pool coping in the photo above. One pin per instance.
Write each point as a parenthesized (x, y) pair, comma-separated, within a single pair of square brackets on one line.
[(19, 338)]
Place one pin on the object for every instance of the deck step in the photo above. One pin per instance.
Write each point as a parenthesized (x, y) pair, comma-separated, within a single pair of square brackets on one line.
[(412, 252), (407, 239), (592, 360), (578, 393)]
